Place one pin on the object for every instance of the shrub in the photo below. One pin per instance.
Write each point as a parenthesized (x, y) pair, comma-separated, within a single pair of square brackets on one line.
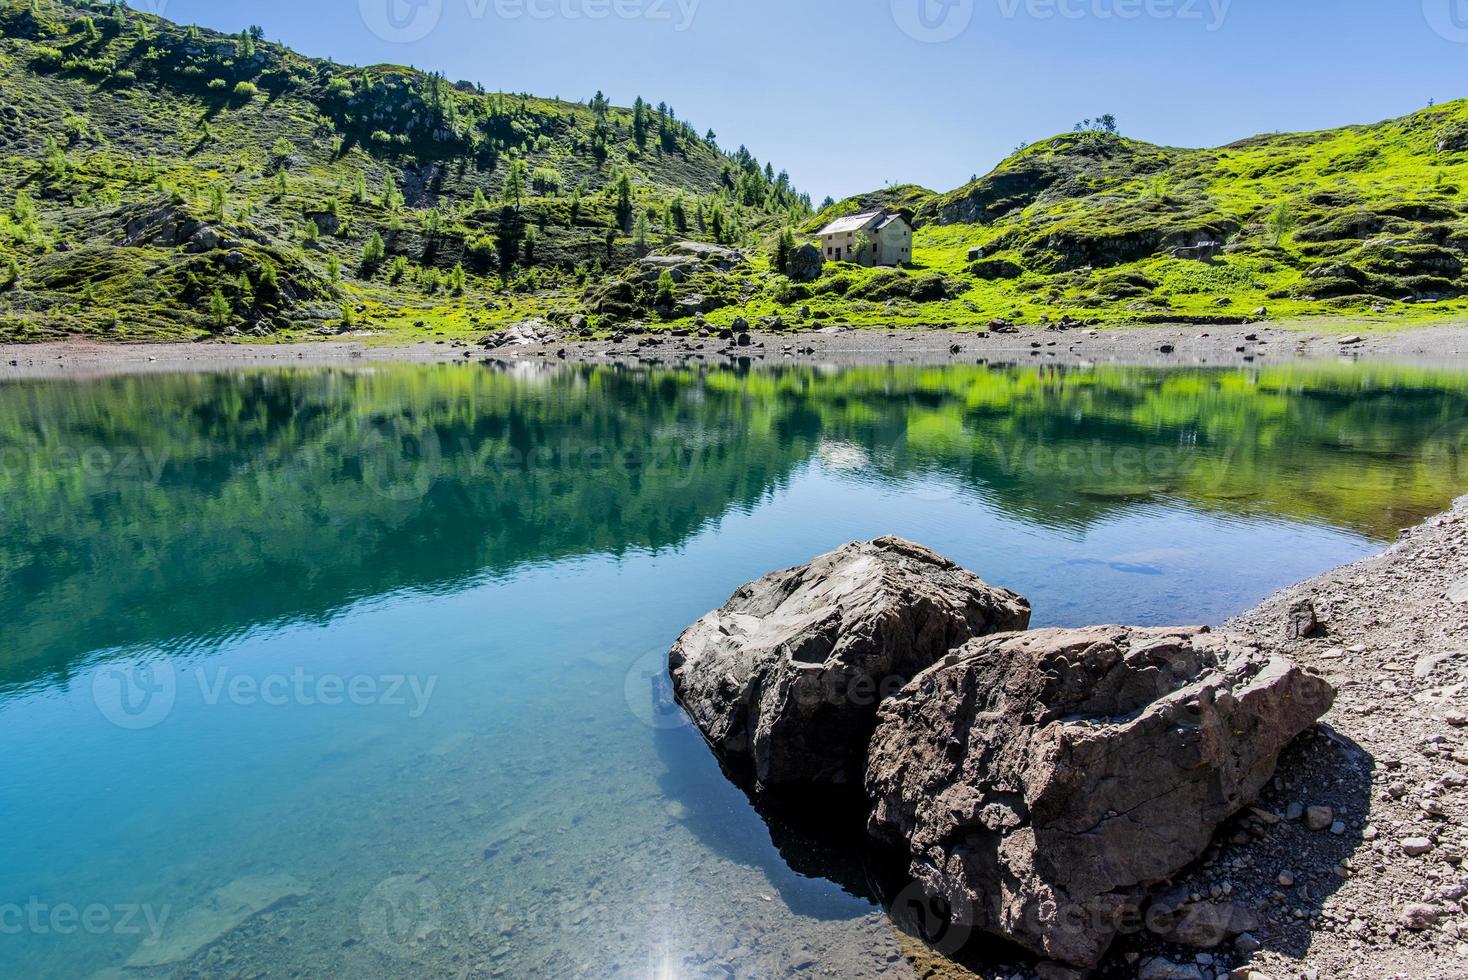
[(787, 292), (398, 270), (457, 279), (218, 85), (1184, 278), (247, 90), (482, 250), (891, 284), (269, 279), (840, 285), (374, 251), (220, 311)]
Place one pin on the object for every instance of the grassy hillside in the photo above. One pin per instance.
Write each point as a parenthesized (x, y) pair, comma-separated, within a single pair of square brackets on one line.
[(159, 180), (1362, 220), (165, 181)]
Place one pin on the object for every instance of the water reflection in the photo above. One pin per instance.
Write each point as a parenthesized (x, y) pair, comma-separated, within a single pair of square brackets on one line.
[(163, 509)]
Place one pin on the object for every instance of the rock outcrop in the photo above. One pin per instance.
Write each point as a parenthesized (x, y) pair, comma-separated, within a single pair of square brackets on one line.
[(1042, 782), (786, 678), (805, 264)]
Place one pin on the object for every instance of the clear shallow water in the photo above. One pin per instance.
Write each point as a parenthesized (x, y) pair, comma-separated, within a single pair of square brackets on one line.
[(356, 673)]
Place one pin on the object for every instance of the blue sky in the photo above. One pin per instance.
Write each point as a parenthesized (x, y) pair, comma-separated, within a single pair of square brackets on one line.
[(853, 94)]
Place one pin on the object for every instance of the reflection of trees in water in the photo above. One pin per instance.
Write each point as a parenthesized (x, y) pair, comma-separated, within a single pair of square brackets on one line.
[(143, 510)]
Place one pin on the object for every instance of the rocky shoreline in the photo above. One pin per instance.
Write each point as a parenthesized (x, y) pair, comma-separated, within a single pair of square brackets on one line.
[(1257, 345), (1346, 860)]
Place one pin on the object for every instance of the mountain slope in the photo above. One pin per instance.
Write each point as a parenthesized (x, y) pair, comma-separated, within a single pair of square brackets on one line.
[(135, 148), (1097, 225), (165, 181)]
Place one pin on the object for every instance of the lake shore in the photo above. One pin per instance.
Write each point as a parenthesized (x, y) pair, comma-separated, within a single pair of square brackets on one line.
[(1389, 760), (1443, 345), (1382, 895)]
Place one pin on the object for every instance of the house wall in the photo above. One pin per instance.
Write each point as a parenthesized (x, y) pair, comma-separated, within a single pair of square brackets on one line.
[(894, 244), (890, 246), (846, 242)]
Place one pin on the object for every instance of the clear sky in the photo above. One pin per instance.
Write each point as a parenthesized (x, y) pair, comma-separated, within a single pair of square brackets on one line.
[(849, 95)]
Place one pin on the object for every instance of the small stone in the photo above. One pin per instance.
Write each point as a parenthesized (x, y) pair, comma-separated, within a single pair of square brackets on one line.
[(1247, 944), (1160, 968), (1286, 879), (1338, 827), (1416, 846), (1294, 812), (1419, 917), (1319, 817)]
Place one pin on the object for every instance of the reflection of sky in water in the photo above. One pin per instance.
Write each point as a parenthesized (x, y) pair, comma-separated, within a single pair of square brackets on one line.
[(530, 794)]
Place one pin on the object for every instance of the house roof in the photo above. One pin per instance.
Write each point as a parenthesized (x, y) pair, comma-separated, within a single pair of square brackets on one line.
[(855, 222)]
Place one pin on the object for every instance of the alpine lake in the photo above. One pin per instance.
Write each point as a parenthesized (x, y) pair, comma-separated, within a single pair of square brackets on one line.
[(361, 671)]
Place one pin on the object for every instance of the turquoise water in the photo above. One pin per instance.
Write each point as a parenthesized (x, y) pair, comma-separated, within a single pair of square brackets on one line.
[(359, 673)]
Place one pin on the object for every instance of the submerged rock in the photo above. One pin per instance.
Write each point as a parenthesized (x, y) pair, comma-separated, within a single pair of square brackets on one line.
[(1043, 782), (787, 676)]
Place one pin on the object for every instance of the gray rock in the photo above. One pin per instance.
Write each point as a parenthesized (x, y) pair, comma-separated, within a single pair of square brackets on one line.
[(1319, 817), (1159, 968), (1418, 917), (805, 264), (1043, 782), (1204, 925), (1458, 592), (787, 676), (1303, 622)]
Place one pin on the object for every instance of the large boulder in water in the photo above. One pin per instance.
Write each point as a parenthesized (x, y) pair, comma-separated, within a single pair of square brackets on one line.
[(786, 677), (1043, 782)]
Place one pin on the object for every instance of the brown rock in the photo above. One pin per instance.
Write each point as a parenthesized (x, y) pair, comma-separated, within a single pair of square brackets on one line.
[(787, 676), (1044, 781), (1420, 917)]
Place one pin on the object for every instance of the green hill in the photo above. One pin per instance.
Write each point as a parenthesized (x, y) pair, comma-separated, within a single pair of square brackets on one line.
[(160, 181), (170, 181), (1093, 225)]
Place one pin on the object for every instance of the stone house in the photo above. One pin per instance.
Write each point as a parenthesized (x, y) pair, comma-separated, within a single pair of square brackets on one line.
[(888, 237)]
